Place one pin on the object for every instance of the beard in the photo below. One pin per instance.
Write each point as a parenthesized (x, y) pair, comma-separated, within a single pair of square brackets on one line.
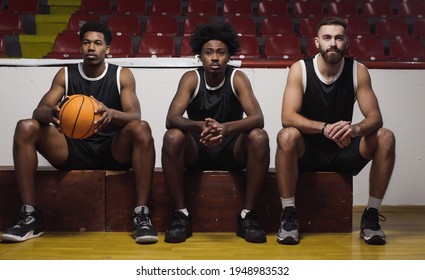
[(334, 57)]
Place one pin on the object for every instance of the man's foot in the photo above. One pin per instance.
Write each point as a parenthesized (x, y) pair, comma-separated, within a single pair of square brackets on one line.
[(180, 228), (29, 224), (288, 231), (143, 230), (249, 229), (370, 230)]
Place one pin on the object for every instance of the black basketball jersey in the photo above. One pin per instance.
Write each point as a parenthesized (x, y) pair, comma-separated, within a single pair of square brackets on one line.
[(329, 101), (105, 88), (220, 103)]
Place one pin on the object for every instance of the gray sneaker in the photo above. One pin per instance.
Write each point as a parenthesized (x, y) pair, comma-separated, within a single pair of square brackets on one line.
[(370, 230), (28, 225), (143, 230), (288, 231)]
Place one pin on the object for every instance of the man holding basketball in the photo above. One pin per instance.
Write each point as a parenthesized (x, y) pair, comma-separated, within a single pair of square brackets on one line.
[(121, 141), (215, 135)]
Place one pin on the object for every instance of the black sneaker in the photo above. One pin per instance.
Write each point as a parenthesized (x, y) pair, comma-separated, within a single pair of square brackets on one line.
[(288, 231), (370, 230), (180, 228), (249, 229), (143, 230), (28, 225)]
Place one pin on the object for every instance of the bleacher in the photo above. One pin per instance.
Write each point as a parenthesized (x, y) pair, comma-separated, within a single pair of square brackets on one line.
[(269, 29)]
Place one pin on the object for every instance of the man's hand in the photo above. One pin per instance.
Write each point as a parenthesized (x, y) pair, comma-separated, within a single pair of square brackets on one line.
[(340, 132), (212, 133)]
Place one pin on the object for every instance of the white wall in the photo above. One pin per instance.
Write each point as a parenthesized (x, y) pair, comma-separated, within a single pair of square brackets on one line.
[(400, 92)]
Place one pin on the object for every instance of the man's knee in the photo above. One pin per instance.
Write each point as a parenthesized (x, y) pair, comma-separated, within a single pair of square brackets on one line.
[(173, 138), (386, 139), (27, 128), (288, 138), (258, 137)]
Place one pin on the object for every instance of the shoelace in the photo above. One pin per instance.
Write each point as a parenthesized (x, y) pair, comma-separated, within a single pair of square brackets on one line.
[(142, 220), (24, 219)]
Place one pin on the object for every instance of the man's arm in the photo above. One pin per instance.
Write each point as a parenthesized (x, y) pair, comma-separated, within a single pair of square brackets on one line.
[(254, 116), (47, 109), (185, 89), (129, 102), (368, 105), (292, 103)]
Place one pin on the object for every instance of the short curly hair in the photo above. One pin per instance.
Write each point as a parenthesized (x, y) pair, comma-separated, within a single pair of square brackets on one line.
[(95, 26), (221, 31)]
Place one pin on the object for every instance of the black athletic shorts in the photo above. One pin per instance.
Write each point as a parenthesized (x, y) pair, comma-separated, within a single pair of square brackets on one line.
[(218, 158), (331, 158), (86, 154)]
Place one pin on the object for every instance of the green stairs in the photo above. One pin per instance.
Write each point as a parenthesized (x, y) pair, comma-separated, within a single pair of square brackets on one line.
[(47, 27)]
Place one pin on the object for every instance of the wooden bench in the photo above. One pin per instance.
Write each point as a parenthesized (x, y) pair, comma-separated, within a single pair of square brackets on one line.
[(103, 200)]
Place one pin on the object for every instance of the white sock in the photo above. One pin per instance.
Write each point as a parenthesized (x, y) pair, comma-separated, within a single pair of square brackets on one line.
[(290, 201), (184, 211), (244, 212), (28, 208), (141, 208), (374, 202)]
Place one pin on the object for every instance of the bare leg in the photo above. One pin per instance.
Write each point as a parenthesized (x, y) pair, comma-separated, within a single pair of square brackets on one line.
[(379, 146), (254, 147), (290, 147), (29, 137), (177, 150), (135, 144)]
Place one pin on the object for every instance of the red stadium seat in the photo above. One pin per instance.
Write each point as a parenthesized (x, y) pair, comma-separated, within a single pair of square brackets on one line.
[(273, 8), (276, 26), (307, 27), (407, 49), (156, 46), (411, 10), (3, 52), (368, 48), (358, 27), (249, 48), (162, 25), (67, 45), (311, 49), (237, 8), (121, 46), (124, 25), (243, 25), (190, 23), (166, 7), (95, 7), (11, 23), (283, 47), (306, 9), (77, 20), (131, 7), (23, 7), (390, 28), (344, 9), (185, 47), (201, 8), (377, 10), (418, 28)]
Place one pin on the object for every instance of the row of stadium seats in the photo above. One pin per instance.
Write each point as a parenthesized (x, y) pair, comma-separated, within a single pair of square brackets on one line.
[(372, 8), (287, 47), (136, 26), (244, 25)]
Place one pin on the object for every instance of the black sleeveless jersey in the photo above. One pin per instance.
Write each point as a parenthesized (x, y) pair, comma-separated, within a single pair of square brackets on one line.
[(329, 102), (220, 103), (104, 88)]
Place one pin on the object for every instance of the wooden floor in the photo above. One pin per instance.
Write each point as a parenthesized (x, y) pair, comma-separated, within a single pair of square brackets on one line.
[(405, 230)]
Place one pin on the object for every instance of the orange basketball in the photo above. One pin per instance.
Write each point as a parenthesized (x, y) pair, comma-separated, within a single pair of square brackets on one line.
[(77, 116)]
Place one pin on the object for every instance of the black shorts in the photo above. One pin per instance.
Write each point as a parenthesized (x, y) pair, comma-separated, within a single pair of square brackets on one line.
[(89, 154), (218, 158), (331, 158)]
